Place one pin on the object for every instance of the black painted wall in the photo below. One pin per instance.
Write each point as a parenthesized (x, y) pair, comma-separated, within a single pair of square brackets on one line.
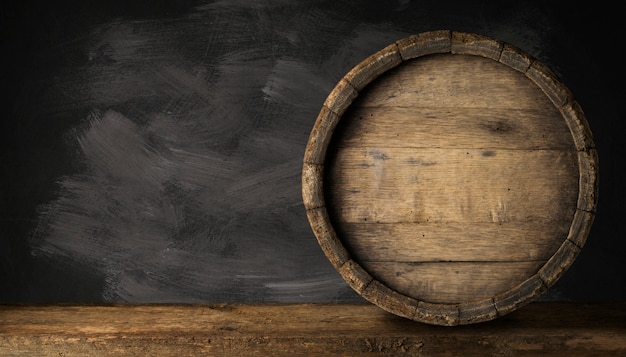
[(151, 150)]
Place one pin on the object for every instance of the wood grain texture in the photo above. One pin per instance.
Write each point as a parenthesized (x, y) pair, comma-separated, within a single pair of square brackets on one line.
[(515, 58), (423, 44), (451, 282), (422, 242), (539, 329), (487, 128), (341, 97), (476, 44), (452, 185), (373, 66), (461, 185), (443, 81)]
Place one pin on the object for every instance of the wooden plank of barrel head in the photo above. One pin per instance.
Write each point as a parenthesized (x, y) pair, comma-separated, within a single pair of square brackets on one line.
[(450, 178)]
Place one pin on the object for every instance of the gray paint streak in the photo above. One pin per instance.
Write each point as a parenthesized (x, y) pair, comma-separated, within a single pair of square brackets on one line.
[(190, 189), (156, 219)]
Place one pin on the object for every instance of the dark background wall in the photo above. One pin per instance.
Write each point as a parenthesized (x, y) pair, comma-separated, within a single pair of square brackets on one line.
[(151, 150)]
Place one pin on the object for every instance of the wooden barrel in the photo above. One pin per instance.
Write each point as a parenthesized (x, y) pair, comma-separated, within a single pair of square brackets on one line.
[(450, 178)]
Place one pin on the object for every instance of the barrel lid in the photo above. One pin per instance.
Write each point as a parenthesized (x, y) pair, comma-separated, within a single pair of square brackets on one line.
[(450, 178)]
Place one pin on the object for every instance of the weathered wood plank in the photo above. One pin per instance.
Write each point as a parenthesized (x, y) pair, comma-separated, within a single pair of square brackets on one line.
[(452, 185), (425, 43), (433, 127), (538, 329), (515, 58), (320, 136), (476, 44), (451, 282), (327, 237), (312, 185), (545, 79), (340, 98), (373, 66), (455, 81), (432, 242), (519, 296)]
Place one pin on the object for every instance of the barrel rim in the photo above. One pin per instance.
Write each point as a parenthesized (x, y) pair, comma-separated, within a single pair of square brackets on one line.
[(345, 92)]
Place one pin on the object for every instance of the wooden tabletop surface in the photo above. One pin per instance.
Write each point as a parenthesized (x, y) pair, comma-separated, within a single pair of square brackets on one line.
[(361, 329)]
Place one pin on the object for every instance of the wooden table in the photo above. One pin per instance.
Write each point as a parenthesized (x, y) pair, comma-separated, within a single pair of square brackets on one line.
[(538, 329)]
